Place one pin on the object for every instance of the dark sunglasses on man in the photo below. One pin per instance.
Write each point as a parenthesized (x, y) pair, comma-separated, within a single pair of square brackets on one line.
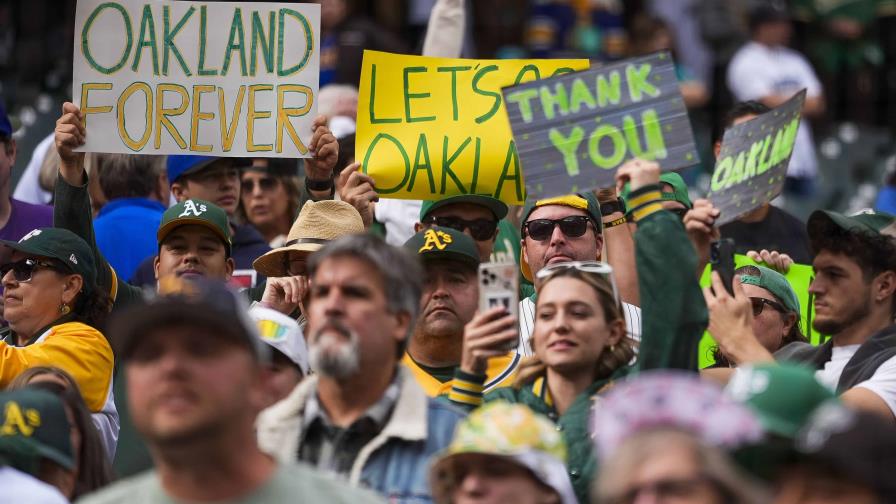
[(23, 270), (480, 229), (760, 303), (573, 226)]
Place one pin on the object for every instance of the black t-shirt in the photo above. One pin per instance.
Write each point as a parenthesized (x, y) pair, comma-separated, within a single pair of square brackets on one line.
[(779, 231)]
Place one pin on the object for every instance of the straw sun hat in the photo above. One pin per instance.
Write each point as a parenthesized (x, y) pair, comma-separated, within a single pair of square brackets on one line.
[(318, 223)]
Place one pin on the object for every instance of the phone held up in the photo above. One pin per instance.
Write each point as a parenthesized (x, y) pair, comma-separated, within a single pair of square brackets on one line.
[(499, 286), (721, 257)]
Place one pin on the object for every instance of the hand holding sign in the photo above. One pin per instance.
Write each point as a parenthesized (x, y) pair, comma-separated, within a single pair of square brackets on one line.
[(753, 160), (358, 190), (325, 151), (70, 134)]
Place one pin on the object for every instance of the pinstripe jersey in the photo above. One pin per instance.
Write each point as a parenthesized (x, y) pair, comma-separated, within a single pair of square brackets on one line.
[(527, 323)]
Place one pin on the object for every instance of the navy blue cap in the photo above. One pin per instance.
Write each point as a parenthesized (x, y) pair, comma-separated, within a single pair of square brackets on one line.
[(178, 165), (5, 125)]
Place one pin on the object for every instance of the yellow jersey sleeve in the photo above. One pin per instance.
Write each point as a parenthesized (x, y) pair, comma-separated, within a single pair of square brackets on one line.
[(77, 348)]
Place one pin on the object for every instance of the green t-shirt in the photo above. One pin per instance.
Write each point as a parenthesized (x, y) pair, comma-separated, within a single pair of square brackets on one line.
[(290, 482)]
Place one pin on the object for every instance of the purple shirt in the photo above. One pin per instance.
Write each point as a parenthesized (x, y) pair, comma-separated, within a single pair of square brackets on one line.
[(24, 217)]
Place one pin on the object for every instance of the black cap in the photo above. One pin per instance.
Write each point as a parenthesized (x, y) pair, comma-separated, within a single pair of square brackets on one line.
[(857, 445), (768, 12), (187, 302)]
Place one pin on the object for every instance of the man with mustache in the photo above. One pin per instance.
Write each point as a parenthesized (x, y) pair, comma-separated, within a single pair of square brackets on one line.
[(362, 416), (197, 376), (449, 302), (855, 302)]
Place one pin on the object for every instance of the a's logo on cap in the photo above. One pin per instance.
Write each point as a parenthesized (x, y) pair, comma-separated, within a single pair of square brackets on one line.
[(73, 259), (190, 208), (18, 421), (435, 239), (30, 235)]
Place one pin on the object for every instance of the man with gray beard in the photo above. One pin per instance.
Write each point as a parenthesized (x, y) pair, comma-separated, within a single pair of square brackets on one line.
[(362, 416)]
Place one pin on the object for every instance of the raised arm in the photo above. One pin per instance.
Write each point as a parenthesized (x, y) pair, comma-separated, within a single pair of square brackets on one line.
[(71, 208), (672, 305)]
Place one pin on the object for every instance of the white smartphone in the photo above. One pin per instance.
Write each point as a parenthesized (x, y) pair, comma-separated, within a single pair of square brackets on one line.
[(499, 286)]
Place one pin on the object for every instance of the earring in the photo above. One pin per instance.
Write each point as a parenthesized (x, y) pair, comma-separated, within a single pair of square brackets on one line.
[(65, 309), (612, 348)]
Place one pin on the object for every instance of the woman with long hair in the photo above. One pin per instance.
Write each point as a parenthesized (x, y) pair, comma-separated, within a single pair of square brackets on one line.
[(55, 311), (93, 468), (579, 336), (269, 197)]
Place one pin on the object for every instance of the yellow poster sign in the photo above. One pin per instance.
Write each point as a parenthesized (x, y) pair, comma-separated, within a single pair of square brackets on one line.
[(429, 128)]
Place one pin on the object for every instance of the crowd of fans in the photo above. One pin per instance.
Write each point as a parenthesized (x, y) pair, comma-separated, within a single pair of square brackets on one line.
[(205, 329)]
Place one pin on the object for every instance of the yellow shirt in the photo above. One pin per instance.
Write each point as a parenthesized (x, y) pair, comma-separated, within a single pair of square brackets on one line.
[(76, 348), (500, 373)]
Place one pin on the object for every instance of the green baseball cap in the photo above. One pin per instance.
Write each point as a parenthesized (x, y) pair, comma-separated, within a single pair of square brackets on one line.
[(34, 425), (497, 207), (437, 243), (775, 283), (679, 189), (822, 222), (583, 201), (197, 212), (62, 245), (783, 396)]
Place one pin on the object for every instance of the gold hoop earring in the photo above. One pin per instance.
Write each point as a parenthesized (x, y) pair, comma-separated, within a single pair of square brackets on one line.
[(65, 309)]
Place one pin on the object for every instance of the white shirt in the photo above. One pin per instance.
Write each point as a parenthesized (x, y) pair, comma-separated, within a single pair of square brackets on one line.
[(17, 487), (757, 71), (527, 324), (399, 217), (28, 189), (882, 383)]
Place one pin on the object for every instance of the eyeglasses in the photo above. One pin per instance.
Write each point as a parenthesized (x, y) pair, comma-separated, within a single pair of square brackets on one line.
[(598, 268), (480, 229), (265, 184), (573, 226), (759, 305), (23, 270), (681, 488)]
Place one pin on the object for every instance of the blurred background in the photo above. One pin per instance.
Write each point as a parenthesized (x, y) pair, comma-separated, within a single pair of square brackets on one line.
[(850, 44)]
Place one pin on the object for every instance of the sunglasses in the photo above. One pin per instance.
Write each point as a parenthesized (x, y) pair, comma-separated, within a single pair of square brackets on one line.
[(573, 226), (597, 268), (265, 184), (759, 305), (23, 270), (480, 229)]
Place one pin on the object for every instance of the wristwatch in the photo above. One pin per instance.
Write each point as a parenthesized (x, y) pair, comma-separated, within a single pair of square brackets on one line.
[(611, 207), (319, 185)]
